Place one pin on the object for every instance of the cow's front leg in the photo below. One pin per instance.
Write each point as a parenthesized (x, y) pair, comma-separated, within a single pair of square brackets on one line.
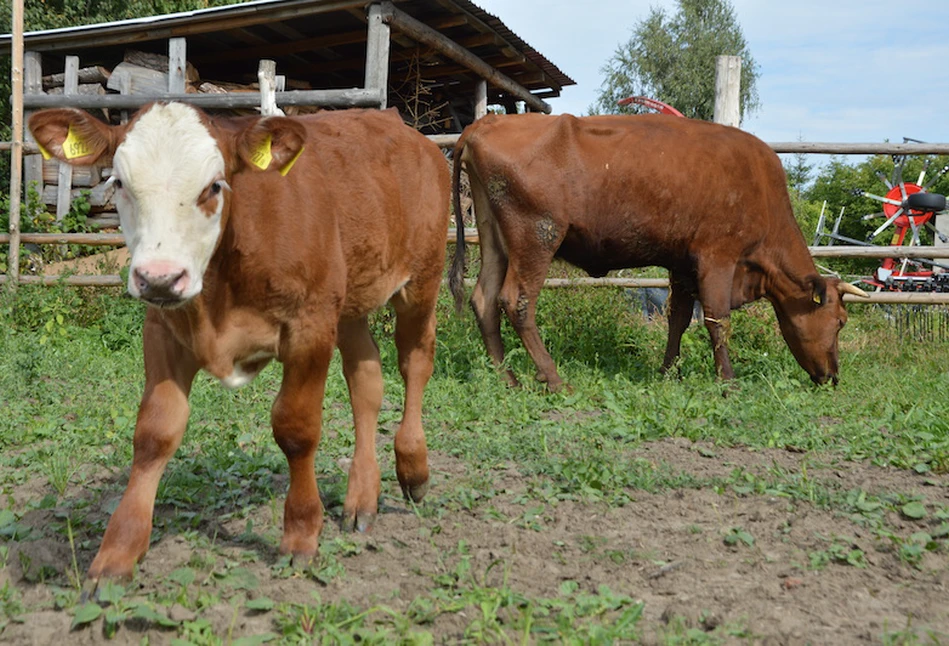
[(362, 368), (162, 418), (715, 286), (297, 419)]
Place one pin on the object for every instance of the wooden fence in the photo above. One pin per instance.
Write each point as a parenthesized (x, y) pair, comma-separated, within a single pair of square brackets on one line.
[(471, 236)]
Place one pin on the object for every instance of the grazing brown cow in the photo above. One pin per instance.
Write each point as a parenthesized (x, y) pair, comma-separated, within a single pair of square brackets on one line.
[(705, 201), (271, 238)]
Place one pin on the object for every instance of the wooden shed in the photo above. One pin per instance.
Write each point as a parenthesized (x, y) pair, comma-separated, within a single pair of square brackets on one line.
[(435, 60)]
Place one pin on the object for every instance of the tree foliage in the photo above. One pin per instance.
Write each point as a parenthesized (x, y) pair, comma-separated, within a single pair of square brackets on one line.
[(672, 58)]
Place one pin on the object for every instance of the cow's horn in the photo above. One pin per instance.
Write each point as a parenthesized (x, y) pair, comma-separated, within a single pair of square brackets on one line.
[(846, 288)]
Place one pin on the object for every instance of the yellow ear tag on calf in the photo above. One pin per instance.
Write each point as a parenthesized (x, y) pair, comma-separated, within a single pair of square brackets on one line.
[(262, 156), (75, 146), (46, 154), (286, 167)]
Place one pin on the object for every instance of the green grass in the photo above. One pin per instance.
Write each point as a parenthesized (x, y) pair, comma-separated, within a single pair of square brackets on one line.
[(71, 378)]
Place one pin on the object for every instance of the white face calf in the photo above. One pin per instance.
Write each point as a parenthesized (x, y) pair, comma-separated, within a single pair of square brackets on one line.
[(169, 180), (169, 173)]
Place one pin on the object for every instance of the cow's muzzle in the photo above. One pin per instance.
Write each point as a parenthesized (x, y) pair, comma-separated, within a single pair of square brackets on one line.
[(161, 284)]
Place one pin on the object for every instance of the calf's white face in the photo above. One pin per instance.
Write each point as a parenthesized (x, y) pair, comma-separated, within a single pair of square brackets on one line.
[(169, 180)]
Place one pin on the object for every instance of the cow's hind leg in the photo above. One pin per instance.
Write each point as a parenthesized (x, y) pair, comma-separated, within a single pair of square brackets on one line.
[(297, 417), (363, 371), (680, 306), (415, 341), (484, 298), (162, 418), (519, 294)]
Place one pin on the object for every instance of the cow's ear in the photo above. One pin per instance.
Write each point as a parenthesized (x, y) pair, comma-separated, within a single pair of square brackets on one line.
[(72, 136), (272, 143), (818, 289)]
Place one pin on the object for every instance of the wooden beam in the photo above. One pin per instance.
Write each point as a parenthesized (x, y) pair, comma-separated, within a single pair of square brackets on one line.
[(424, 34), (356, 97)]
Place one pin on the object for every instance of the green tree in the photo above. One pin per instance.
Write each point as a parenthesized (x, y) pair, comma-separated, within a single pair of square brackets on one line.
[(672, 58)]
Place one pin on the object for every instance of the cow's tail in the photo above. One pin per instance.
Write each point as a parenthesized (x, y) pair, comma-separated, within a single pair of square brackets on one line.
[(456, 275)]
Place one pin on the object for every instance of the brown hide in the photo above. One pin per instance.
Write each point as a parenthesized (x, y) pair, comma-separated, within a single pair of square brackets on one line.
[(705, 201), (358, 221)]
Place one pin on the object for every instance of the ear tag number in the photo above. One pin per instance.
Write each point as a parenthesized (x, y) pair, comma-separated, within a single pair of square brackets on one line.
[(262, 156), (75, 145), (286, 167)]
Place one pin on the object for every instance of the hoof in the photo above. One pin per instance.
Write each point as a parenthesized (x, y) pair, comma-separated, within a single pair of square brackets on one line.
[(357, 522), (90, 590), (415, 493), (301, 561)]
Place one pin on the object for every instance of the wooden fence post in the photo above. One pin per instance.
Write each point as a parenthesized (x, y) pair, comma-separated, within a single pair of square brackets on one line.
[(177, 65), (377, 54), (481, 99), (64, 182), (16, 152), (32, 84), (267, 81), (727, 90)]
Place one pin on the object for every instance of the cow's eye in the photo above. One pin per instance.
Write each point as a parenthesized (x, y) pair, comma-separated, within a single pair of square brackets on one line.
[(213, 190)]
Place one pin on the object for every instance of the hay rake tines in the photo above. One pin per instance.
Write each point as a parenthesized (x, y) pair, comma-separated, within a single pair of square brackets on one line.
[(908, 208)]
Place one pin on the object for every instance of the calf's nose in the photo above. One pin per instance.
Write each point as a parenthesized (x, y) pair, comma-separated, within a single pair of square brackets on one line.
[(161, 283)]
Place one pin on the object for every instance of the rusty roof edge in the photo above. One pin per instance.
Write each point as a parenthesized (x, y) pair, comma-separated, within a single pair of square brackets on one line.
[(495, 23)]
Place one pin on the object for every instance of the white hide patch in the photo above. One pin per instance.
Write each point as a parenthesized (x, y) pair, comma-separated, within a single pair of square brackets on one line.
[(241, 376), (162, 168)]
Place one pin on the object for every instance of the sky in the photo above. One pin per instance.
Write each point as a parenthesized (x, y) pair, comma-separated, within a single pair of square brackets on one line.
[(855, 71)]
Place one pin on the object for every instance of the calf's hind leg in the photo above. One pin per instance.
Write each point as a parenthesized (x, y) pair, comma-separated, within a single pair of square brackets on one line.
[(415, 342), (363, 371)]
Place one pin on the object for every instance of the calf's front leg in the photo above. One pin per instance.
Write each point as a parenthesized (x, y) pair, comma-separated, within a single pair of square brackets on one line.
[(162, 418), (297, 418)]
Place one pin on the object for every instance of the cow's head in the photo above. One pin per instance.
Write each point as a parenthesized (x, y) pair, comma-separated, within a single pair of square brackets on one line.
[(171, 170), (811, 323)]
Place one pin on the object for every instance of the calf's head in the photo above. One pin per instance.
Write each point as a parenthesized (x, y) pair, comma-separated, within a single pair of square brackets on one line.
[(811, 322), (171, 168)]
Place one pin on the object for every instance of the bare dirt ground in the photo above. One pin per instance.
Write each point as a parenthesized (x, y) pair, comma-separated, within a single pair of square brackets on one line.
[(666, 549)]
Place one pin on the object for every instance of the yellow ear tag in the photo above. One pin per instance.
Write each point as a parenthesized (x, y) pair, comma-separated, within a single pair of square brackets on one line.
[(75, 146), (817, 299), (46, 154), (262, 156), (286, 167)]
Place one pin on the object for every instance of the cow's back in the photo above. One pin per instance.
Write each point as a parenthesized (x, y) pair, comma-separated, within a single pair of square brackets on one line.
[(633, 190), (367, 194)]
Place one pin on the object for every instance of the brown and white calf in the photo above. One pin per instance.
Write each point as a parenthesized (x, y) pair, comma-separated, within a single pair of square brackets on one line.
[(270, 238)]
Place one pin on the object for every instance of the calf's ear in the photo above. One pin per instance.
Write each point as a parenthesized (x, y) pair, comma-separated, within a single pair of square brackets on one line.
[(72, 136), (272, 143), (818, 289)]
